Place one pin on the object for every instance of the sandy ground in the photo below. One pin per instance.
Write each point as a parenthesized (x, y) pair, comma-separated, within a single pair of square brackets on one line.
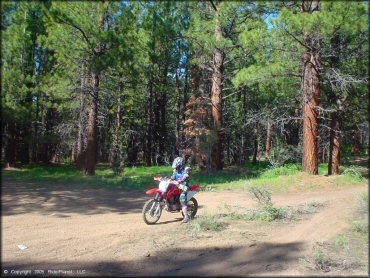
[(79, 230)]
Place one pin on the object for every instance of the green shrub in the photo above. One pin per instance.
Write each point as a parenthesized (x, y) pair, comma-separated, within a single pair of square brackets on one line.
[(342, 241), (266, 213), (206, 188), (322, 262), (361, 227), (260, 194), (354, 171), (309, 208), (206, 223), (281, 153), (363, 203), (284, 170)]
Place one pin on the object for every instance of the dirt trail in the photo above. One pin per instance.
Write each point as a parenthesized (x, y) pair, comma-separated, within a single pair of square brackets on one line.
[(102, 232)]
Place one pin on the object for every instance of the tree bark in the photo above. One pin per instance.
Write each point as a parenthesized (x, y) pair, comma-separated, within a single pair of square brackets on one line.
[(11, 146), (362, 137), (35, 145), (331, 143), (311, 97), (356, 147), (162, 138), (337, 141), (268, 140), (149, 129), (255, 145), (90, 158), (79, 145), (216, 98), (116, 157), (47, 122), (91, 149), (178, 115)]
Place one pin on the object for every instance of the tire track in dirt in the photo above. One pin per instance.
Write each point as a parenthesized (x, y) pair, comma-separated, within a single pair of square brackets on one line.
[(106, 237)]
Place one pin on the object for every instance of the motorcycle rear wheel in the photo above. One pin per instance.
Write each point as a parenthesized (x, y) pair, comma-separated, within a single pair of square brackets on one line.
[(152, 211), (192, 208)]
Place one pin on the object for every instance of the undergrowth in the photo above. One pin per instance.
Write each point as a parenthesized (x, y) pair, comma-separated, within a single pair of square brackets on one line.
[(276, 179), (209, 222), (266, 210)]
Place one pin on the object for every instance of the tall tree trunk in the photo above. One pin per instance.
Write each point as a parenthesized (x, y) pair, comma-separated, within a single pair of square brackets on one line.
[(244, 152), (90, 158), (35, 145), (336, 130), (331, 143), (47, 123), (156, 125), (311, 96), (268, 140), (79, 145), (11, 146), (362, 137), (356, 147), (162, 121), (149, 129), (116, 149), (337, 141), (216, 98), (163, 130), (192, 141), (91, 149), (255, 145), (178, 115)]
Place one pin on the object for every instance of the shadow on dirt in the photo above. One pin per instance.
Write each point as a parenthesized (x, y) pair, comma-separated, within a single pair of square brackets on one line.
[(260, 258), (46, 199), (169, 221)]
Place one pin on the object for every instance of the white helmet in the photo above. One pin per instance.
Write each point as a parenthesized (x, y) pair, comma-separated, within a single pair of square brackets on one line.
[(177, 162)]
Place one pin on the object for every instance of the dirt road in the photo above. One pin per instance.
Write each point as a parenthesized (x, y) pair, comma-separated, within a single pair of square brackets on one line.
[(101, 232)]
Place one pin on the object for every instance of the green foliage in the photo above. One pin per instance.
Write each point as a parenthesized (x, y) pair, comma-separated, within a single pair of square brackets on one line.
[(282, 153), (285, 170), (354, 172), (257, 176), (342, 240), (321, 260), (48, 48), (361, 226)]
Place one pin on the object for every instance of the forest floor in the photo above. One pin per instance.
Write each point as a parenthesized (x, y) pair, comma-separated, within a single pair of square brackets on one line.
[(71, 228)]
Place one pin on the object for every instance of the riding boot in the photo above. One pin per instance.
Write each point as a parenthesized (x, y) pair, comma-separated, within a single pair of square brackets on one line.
[(186, 216)]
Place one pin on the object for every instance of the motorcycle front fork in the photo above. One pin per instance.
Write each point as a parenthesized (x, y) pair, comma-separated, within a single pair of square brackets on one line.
[(160, 200)]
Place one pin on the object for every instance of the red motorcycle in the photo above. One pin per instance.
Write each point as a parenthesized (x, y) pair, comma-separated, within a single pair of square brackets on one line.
[(167, 196)]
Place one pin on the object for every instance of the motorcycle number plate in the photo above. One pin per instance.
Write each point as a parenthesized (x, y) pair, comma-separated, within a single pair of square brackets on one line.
[(163, 186)]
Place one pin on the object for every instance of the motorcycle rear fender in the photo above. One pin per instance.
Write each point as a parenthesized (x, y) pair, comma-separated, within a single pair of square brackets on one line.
[(153, 191)]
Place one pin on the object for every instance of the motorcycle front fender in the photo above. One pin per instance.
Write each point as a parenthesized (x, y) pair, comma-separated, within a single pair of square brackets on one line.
[(153, 191)]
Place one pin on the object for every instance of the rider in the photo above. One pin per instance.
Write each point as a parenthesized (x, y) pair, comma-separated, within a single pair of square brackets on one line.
[(181, 174)]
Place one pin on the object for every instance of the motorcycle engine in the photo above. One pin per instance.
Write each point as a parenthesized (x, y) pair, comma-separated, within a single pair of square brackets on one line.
[(173, 206)]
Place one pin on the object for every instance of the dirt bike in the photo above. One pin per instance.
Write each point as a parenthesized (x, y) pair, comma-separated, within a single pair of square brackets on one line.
[(167, 196)]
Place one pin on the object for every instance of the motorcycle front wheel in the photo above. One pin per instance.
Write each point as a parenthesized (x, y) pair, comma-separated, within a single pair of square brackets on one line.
[(152, 211)]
